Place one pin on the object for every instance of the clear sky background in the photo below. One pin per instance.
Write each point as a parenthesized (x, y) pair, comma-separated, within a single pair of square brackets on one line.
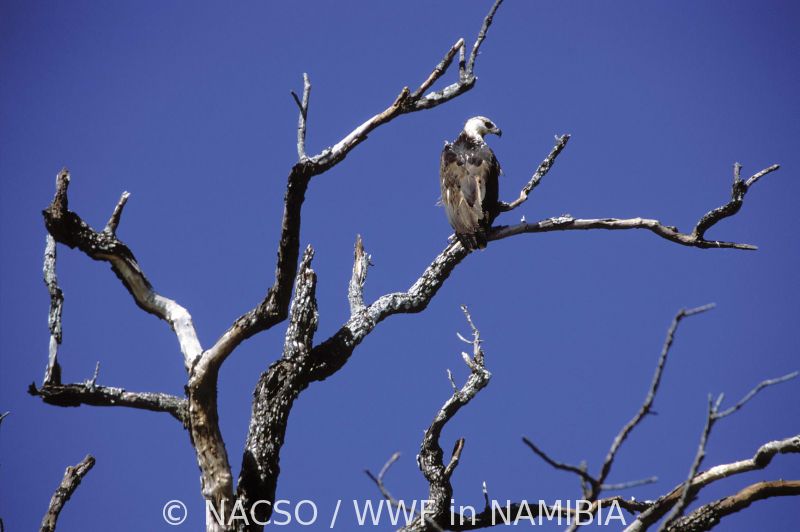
[(187, 106)]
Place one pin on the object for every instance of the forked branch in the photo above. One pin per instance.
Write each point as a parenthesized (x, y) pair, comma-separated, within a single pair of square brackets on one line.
[(69, 229), (53, 391), (739, 189), (688, 492)]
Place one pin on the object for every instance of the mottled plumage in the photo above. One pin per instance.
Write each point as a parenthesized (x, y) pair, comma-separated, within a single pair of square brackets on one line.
[(469, 181)]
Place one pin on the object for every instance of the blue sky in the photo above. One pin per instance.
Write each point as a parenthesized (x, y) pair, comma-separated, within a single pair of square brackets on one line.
[(188, 108)]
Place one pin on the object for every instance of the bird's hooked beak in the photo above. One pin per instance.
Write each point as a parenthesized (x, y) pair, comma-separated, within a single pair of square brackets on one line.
[(497, 131)]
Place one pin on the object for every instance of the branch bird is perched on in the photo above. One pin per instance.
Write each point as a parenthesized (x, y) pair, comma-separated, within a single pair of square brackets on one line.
[(469, 180)]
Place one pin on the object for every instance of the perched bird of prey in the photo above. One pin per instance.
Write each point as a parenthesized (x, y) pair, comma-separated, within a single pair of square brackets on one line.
[(469, 179)]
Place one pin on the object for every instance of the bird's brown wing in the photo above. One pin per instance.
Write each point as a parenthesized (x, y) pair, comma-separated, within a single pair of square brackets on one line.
[(463, 184)]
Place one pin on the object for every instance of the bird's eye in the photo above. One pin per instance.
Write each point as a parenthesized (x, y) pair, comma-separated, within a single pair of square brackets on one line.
[(488, 124)]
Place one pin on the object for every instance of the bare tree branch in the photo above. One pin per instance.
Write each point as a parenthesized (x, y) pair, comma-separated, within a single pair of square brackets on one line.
[(388, 496), (52, 390), (355, 291), (580, 471), (630, 484), (69, 229), (686, 495), (760, 460), (752, 393), (645, 409), (541, 171), (301, 121), (481, 36), (568, 223), (53, 372), (275, 394), (738, 191), (113, 222), (688, 492), (709, 515), (381, 474), (91, 394), (440, 69), (694, 239), (70, 482), (431, 456)]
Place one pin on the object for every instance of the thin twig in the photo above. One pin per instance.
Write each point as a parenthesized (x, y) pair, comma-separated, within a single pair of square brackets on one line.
[(752, 393), (113, 222), (439, 70), (686, 492), (581, 472), (481, 36), (302, 118), (758, 175), (760, 460), (388, 496), (645, 409), (630, 484), (714, 415), (381, 474)]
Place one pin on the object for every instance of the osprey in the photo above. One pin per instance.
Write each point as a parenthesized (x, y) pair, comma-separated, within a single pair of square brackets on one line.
[(468, 178)]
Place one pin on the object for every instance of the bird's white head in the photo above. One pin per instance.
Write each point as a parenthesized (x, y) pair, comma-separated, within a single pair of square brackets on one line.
[(478, 126)]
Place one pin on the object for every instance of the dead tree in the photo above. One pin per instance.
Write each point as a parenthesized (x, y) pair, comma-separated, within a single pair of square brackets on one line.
[(304, 361)]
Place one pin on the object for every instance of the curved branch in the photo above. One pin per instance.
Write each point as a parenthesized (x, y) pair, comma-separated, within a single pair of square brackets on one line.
[(568, 223), (709, 515), (738, 191), (69, 229), (760, 460)]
